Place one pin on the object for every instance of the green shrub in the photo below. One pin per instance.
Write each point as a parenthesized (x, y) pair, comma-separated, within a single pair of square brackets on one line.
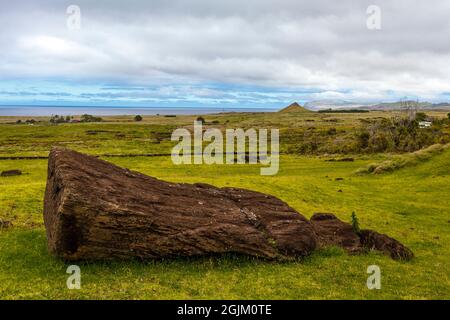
[(396, 135), (331, 131), (421, 116), (90, 118), (363, 139), (355, 223)]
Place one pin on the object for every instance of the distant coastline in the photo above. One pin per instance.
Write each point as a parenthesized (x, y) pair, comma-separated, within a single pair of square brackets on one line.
[(115, 111)]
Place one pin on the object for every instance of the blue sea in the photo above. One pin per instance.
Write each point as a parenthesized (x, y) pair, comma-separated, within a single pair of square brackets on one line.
[(112, 111)]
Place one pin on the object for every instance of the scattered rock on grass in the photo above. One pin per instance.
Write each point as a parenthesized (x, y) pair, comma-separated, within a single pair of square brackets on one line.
[(341, 160), (10, 173), (389, 246), (332, 231)]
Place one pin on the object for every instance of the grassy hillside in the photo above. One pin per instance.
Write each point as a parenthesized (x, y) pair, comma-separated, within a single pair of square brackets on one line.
[(411, 204), (404, 160)]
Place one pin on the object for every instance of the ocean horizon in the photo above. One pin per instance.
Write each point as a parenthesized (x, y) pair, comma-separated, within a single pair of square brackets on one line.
[(116, 111)]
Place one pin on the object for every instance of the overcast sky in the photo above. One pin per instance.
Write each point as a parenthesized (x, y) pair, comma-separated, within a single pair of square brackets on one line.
[(252, 53)]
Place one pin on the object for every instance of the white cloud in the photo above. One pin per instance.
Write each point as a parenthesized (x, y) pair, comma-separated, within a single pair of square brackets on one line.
[(284, 44)]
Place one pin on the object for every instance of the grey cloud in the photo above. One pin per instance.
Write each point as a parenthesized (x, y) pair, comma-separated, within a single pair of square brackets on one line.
[(287, 44)]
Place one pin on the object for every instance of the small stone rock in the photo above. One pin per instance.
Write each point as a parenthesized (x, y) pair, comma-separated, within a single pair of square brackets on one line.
[(381, 242), (332, 231), (10, 173)]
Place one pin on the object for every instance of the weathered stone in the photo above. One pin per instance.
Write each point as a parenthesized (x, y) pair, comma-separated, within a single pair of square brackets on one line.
[(376, 241), (333, 232), (96, 210)]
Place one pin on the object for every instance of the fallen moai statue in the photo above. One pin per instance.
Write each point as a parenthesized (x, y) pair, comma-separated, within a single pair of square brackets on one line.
[(94, 210)]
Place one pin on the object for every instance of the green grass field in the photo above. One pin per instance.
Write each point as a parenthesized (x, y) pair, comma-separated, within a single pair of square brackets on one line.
[(411, 204)]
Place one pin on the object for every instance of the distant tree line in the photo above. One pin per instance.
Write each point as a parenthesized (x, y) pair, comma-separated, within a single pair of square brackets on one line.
[(55, 119), (60, 119), (343, 111), (397, 135), (90, 118), (28, 121)]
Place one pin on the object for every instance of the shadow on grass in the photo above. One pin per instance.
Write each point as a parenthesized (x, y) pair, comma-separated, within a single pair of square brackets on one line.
[(28, 271), (25, 251)]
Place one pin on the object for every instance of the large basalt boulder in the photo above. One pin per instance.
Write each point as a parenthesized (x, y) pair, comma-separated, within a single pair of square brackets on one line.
[(95, 210), (331, 231), (376, 241)]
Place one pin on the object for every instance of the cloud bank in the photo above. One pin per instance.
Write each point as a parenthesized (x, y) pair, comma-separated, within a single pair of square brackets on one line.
[(237, 53)]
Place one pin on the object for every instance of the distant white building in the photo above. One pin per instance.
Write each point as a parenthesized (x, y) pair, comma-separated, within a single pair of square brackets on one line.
[(425, 124)]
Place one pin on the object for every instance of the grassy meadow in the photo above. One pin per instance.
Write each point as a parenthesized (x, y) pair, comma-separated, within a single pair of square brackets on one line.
[(411, 204)]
